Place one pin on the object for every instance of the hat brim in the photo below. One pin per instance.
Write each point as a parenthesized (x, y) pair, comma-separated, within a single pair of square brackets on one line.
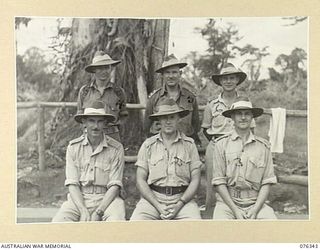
[(242, 76), (91, 68), (180, 65), (182, 113), (256, 112), (80, 117)]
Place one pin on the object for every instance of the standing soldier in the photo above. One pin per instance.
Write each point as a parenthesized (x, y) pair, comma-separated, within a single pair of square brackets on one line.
[(168, 173), (102, 88), (171, 76), (242, 168), (94, 170), (214, 124)]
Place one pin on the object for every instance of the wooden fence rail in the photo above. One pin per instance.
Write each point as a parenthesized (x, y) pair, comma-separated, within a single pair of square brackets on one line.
[(41, 121)]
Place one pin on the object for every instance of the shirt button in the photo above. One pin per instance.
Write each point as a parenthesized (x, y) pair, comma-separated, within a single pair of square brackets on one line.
[(91, 169)]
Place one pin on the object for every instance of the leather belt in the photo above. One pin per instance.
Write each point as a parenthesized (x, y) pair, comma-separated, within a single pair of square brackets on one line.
[(242, 194), (168, 190), (93, 189)]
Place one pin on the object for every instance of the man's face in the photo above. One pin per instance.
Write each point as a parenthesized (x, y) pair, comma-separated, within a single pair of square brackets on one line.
[(103, 73), (171, 76), (169, 123), (229, 82), (242, 119), (94, 125)]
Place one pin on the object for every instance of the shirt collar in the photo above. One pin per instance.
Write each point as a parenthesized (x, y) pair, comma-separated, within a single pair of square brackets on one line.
[(179, 137), (164, 90), (235, 136), (94, 85), (103, 143), (220, 99)]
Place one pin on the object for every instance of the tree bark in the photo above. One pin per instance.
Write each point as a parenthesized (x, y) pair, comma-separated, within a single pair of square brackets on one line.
[(140, 44)]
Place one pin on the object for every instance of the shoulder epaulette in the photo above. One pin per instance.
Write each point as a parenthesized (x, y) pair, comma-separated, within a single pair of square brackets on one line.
[(79, 139), (153, 92), (188, 91), (213, 100), (187, 138), (221, 137), (263, 141), (112, 142), (151, 140)]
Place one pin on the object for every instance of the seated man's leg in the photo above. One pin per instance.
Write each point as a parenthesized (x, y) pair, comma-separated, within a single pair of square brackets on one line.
[(190, 211), (266, 213), (115, 211), (145, 211), (222, 212), (67, 212)]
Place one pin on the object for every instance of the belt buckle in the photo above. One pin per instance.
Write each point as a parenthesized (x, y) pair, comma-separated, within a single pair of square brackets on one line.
[(168, 190)]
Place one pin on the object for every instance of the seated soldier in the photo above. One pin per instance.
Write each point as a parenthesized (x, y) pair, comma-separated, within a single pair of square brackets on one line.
[(168, 173), (242, 168), (94, 170)]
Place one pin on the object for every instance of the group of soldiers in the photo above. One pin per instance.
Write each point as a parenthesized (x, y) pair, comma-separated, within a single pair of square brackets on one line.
[(168, 164)]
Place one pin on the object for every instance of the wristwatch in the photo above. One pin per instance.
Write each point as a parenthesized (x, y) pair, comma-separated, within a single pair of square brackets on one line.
[(99, 212)]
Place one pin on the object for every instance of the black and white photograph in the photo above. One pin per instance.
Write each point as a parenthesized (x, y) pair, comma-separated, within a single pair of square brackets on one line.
[(165, 119)]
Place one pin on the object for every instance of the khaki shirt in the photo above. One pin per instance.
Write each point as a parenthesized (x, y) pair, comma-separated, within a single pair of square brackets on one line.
[(189, 124), (214, 121), (245, 167), (169, 167), (113, 96), (103, 167)]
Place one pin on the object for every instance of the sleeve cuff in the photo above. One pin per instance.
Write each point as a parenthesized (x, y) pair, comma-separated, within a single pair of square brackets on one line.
[(71, 182), (271, 180), (116, 182), (196, 165), (219, 180), (141, 164)]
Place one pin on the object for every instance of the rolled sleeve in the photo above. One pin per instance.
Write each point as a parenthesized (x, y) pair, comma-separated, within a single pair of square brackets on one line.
[(207, 117), (116, 172), (195, 159), (72, 174), (219, 167), (142, 160), (268, 175)]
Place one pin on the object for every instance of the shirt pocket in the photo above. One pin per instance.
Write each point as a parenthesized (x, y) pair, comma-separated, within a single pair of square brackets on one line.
[(255, 170), (232, 163), (157, 168), (102, 173), (182, 166)]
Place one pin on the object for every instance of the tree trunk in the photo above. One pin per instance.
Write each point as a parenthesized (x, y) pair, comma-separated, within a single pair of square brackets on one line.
[(140, 44)]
